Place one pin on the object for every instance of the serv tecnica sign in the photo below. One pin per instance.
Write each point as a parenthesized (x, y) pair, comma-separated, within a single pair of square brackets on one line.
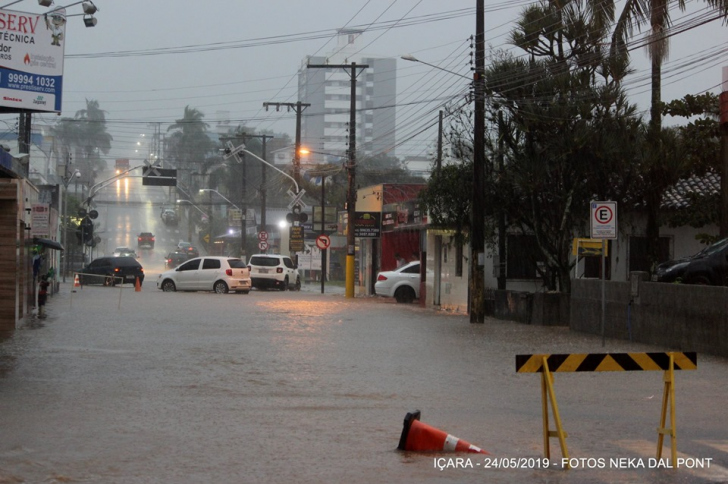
[(603, 220), (31, 60)]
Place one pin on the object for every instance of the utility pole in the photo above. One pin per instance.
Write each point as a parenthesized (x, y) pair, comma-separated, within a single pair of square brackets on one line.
[(351, 194), (298, 107), (477, 230), (243, 204), (724, 155)]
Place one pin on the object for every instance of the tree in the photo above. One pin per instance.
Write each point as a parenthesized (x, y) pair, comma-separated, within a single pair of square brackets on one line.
[(448, 200), (189, 143), (93, 138), (655, 13), (699, 142), (82, 138), (565, 131)]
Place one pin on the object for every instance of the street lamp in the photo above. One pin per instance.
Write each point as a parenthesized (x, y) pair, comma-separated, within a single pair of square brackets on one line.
[(476, 283), (411, 58), (203, 190)]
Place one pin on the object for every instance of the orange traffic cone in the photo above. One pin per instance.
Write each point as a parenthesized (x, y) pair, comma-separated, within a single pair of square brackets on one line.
[(137, 286), (76, 282), (418, 436)]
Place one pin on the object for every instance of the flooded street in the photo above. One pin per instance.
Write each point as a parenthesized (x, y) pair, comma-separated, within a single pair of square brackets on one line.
[(311, 388)]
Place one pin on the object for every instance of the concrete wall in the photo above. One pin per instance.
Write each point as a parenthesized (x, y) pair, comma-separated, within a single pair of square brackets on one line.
[(677, 316)]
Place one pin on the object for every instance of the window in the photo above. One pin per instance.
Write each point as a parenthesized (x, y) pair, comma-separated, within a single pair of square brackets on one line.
[(288, 263), (210, 264), (638, 256), (190, 265), (236, 264), (522, 256), (413, 269)]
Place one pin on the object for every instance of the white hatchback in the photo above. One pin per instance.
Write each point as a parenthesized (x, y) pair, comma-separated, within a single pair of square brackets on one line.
[(219, 274)]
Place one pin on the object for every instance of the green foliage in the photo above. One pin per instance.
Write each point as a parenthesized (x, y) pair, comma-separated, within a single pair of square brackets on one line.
[(448, 197)]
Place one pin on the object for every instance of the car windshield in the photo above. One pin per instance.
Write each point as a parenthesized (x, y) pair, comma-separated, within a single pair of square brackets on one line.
[(264, 261), (717, 247), (236, 264)]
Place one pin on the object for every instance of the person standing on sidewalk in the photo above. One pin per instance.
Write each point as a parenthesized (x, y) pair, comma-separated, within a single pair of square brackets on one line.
[(42, 295)]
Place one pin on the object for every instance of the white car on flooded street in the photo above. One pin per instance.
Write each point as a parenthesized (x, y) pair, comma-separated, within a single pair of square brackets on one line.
[(403, 284), (218, 274)]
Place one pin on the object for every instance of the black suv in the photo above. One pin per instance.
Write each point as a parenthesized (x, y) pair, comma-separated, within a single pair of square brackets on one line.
[(110, 271)]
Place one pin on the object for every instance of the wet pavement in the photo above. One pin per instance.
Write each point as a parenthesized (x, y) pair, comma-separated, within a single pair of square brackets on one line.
[(118, 386)]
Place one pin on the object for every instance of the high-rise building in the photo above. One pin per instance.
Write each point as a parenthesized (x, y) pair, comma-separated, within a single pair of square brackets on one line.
[(325, 123)]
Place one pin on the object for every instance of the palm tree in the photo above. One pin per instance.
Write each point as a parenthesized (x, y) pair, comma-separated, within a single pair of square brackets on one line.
[(189, 143), (92, 137), (656, 13)]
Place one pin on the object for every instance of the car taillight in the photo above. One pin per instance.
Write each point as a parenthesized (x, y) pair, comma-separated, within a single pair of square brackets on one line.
[(139, 239), (279, 270), (250, 268), (229, 272), (116, 269), (141, 269), (381, 277), (169, 261)]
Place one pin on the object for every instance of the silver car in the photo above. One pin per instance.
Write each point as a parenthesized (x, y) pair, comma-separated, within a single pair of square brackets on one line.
[(218, 274)]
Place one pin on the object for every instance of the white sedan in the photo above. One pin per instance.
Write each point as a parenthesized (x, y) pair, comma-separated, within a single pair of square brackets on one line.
[(219, 274), (403, 284)]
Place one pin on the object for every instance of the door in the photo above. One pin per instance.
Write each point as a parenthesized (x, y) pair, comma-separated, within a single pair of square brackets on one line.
[(208, 274), (187, 275)]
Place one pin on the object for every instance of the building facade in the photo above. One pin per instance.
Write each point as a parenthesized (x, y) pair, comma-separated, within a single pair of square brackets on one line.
[(325, 123)]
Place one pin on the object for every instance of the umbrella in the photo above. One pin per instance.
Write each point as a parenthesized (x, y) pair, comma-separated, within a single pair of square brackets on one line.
[(51, 244)]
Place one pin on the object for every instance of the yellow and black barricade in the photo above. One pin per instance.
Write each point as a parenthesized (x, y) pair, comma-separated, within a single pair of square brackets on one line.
[(590, 362)]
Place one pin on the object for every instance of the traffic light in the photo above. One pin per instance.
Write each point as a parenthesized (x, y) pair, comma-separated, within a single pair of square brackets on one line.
[(87, 231)]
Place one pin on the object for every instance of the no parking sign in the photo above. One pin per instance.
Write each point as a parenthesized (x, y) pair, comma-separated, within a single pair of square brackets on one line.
[(603, 220)]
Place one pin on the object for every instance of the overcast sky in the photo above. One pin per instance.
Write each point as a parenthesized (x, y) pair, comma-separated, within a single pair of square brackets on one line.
[(147, 59)]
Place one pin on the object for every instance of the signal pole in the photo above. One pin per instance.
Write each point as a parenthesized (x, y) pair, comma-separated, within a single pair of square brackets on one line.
[(298, 107), (351, 194)]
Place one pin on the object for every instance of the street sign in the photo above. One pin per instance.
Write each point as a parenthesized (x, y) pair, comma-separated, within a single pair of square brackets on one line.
[(159, 177), (295, 240), (297, 199), (262, 235), (263, 245), (206, 238), (603, 220), (323, 241)]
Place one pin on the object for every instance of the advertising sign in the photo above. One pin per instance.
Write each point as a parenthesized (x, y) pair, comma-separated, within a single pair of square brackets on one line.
[(40, 220), (367, 224), (31, 60)]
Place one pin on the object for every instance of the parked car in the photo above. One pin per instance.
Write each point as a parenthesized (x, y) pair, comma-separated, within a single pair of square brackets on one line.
[(708, 267), (169, 216), (219, 274), (110, 271), (174, 259), (188, 249), (125, 252), (145, 240), (273, 270), (402, 284)]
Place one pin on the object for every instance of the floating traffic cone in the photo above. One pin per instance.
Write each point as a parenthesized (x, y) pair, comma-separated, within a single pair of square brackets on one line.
[(418, 436), (137, 286), (76, 282)]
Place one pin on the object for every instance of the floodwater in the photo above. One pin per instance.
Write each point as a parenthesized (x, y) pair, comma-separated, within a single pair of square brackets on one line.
[(117, 386)]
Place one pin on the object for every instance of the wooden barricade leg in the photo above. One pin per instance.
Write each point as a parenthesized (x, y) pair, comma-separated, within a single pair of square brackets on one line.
[(547, 388), (668, 397)]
